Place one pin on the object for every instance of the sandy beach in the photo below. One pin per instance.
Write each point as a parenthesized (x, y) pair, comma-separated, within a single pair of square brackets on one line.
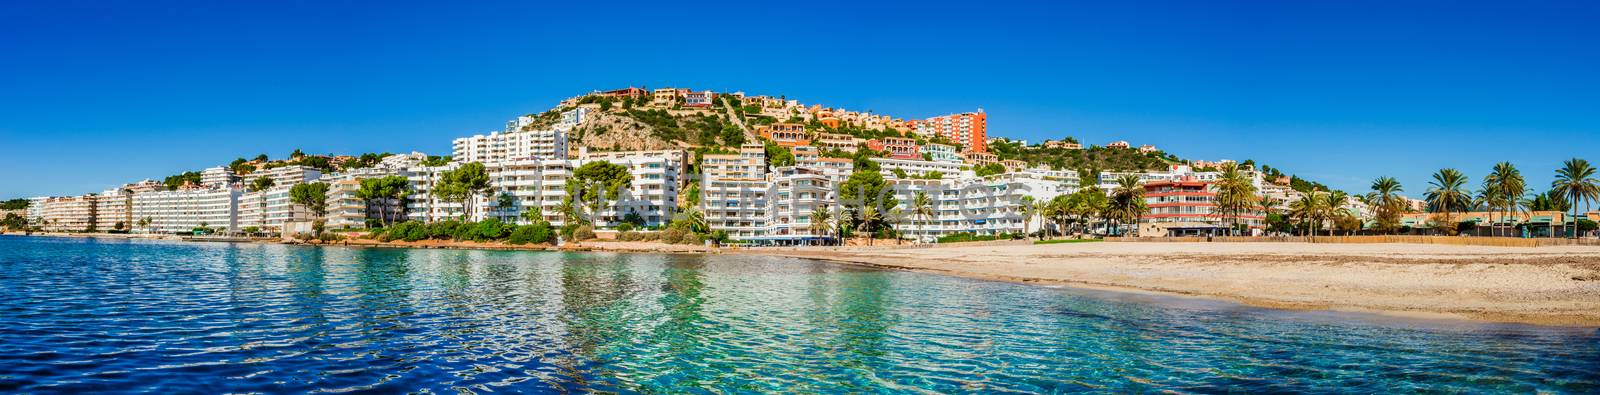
[(1558, 285)]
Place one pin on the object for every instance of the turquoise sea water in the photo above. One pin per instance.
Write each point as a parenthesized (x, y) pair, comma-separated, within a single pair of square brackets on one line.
[(87, 315)]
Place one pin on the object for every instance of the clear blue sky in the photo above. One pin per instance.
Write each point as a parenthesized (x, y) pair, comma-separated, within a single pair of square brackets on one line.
[(94, 94)]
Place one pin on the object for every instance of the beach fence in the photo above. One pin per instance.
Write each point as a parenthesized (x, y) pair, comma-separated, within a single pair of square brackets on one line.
[(1396, 239)]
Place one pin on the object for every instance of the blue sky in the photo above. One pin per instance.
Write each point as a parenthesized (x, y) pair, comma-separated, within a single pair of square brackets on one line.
[(94, 94)]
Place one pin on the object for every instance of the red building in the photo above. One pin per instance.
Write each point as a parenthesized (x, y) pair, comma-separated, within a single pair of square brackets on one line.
[(898, 148), (968, 129), (1187, 207)]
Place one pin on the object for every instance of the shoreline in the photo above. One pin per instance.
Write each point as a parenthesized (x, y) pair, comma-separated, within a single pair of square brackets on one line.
[(1554, 286)]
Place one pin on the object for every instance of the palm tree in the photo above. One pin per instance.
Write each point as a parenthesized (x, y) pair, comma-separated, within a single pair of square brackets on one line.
[(1447, 194), (1308, 209), (921, 207), (821, 220), (1029, 210), (1386, 202), (1127, 201), (1508, 186), (869, 221), (1235, 194), (1333, 209), (1575, 181), (841, 223), (696, 220)]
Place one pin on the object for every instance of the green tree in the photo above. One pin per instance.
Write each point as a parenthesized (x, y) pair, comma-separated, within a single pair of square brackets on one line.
[(1127, 203), (1308, 210), (989, 169), (461, 184), (1575, 181), (871, 216), (1029, 209), (822, 220), (1502, 188), (922, 208), (260, 183), (1447, 194), (595, 183), (1334, 209), (1386, 203), (866, 188), (314, 196), (1236, 195)]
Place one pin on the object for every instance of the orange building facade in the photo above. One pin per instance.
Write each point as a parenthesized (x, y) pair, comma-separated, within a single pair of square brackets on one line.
[(968, 129)]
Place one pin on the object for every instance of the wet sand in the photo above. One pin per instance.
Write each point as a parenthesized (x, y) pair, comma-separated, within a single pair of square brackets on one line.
[(1558, 285)]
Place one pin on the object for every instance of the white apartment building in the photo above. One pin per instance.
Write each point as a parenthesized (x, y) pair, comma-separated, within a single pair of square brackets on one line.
[(422, 205), (941, 153), (734, 191), (795, 193), (652, 195), (271, 210), (345, 209), (738, 206), (520, 140), (837, 169), (186, 209), (540, 184), (916, 168), (113, 210), (289, 175), (36, 208), (69, 214), (216, 177), (749, 163), (982, 206)]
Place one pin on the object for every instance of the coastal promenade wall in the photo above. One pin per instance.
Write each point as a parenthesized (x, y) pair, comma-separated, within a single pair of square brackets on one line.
[(1445, 240)]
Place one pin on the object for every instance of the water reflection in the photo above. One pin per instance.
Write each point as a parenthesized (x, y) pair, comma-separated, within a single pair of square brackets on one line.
[(131, 316)]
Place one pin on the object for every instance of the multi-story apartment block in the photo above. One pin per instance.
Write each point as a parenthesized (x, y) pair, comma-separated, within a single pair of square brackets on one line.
[(289, 175), (520, 140), (785, 134), (652, 195), (795, 193), (983, 206), (36, 208), (70, 214), (837, 169), (539, 186), (113, 210), (940, 153), (217, 177), (345, 209), (968, 129), (733, 192), (184, 210), (897, 147), (919, 168), (749, 163), (842, 142), (1187, 207), (980, 158), (698, 99)]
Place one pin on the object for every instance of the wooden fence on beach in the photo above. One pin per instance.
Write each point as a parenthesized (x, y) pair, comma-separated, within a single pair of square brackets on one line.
[(1447, 240)]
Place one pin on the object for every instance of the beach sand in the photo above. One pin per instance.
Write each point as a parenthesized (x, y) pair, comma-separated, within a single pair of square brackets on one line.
[(1546, 285)]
